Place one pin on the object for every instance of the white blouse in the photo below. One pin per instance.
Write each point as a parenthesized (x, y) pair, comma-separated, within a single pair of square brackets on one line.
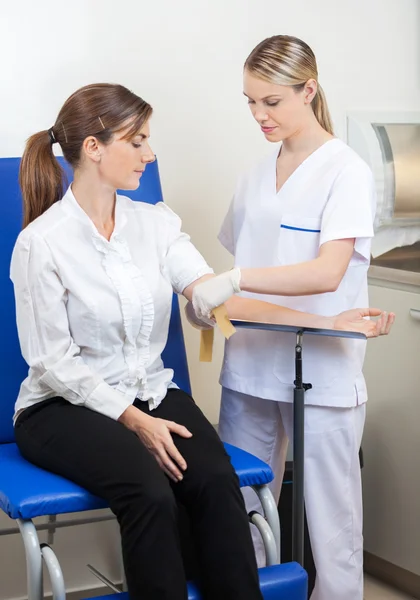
[(92, 314)]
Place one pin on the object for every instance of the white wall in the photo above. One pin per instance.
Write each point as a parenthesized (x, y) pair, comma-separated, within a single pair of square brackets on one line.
[(186, 59)]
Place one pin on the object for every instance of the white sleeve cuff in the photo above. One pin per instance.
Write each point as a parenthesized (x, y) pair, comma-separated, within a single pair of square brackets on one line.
[(184, 282), (343, 235), (107, 401)]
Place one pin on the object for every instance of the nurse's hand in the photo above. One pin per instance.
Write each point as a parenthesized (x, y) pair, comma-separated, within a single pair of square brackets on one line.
[(214, 292), (156, 435), (355, 320)]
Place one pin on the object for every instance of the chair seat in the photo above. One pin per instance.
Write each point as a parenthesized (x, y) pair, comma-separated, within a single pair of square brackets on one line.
[(288, 581), (250, 469), (26, 491)]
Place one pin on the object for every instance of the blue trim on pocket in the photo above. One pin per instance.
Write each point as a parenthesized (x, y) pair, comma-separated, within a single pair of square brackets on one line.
[(300, 229)]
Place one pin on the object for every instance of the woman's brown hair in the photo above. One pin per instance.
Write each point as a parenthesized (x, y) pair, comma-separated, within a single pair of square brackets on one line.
[(100, 110)]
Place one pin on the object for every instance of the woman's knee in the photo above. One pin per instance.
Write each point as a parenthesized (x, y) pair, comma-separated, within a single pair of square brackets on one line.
[(217, 475), (145, 497)]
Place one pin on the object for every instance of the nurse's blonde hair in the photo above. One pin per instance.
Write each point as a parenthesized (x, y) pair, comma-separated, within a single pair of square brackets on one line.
[(286, 60)]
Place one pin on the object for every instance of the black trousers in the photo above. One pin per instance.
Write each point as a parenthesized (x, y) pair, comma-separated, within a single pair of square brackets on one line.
[(110, 461)]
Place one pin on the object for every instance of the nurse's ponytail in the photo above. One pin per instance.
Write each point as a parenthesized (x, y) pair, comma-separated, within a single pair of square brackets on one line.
[(320, 108), (99, 110), (286, 60)]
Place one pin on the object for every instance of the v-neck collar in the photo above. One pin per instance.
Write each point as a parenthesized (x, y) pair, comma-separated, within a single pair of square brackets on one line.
[(319, 152)]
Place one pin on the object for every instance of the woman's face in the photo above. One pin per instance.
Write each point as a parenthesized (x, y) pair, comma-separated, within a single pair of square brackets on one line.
[(280, 111), (123, 161)]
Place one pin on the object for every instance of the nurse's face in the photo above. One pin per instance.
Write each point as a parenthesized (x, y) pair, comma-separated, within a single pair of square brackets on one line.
[(280, 111)]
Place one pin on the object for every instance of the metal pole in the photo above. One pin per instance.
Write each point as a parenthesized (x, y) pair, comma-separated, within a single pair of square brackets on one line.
[(60, 524), (52, 519), (298, 455), (33, 559), (54, 570), (104, 579)]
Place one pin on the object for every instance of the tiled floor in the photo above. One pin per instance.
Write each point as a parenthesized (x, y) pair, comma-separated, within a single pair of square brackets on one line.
[(374, 590)]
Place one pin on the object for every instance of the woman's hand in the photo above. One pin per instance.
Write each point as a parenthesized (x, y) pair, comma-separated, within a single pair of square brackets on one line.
[(197, 323), (156, 435), (354, 320)]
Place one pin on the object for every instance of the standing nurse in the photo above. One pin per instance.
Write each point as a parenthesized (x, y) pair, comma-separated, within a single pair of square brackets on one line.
[(300, 227)]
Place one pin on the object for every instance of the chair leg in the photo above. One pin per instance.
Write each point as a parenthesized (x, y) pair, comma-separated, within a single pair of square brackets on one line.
[(109, 584), (55, 572), (52, 520), (267, 537), (271, 513), (33, 559)]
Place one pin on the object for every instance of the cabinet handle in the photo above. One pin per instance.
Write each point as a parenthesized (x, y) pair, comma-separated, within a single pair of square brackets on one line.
[(415, 314)]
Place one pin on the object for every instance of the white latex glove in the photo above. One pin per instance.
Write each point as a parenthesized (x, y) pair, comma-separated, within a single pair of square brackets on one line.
[(192, 318), (215, 291)]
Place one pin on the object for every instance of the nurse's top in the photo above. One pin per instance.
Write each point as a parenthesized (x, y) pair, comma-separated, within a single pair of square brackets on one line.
[(92, 314), (330, 196)]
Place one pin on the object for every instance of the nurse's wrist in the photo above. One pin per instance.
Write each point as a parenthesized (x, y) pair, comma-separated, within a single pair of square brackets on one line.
[(236, 280), (244, 280)]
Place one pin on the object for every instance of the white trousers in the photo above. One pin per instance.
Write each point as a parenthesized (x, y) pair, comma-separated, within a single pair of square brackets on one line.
[(333, 492)]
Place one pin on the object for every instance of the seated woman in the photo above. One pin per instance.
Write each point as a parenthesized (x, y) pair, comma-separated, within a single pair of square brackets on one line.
[(94, 274)]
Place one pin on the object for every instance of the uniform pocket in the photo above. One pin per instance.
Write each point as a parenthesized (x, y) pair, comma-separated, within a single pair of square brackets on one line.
[(298, 239)]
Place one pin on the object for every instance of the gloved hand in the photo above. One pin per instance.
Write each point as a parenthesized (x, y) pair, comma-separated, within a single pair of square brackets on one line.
[(192, 318), (215, 291)]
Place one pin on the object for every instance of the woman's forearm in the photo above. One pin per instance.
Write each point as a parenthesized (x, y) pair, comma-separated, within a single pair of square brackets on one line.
[(247, 309)]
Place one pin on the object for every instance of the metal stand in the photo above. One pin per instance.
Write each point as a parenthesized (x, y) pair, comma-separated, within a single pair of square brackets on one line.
[(298, 454), (299, 419)]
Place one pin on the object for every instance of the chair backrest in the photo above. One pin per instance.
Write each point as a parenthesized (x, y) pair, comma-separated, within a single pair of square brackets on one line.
[(13, 368)]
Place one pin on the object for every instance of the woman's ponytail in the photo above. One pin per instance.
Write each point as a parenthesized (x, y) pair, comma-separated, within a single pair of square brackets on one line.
[(40, 176)]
